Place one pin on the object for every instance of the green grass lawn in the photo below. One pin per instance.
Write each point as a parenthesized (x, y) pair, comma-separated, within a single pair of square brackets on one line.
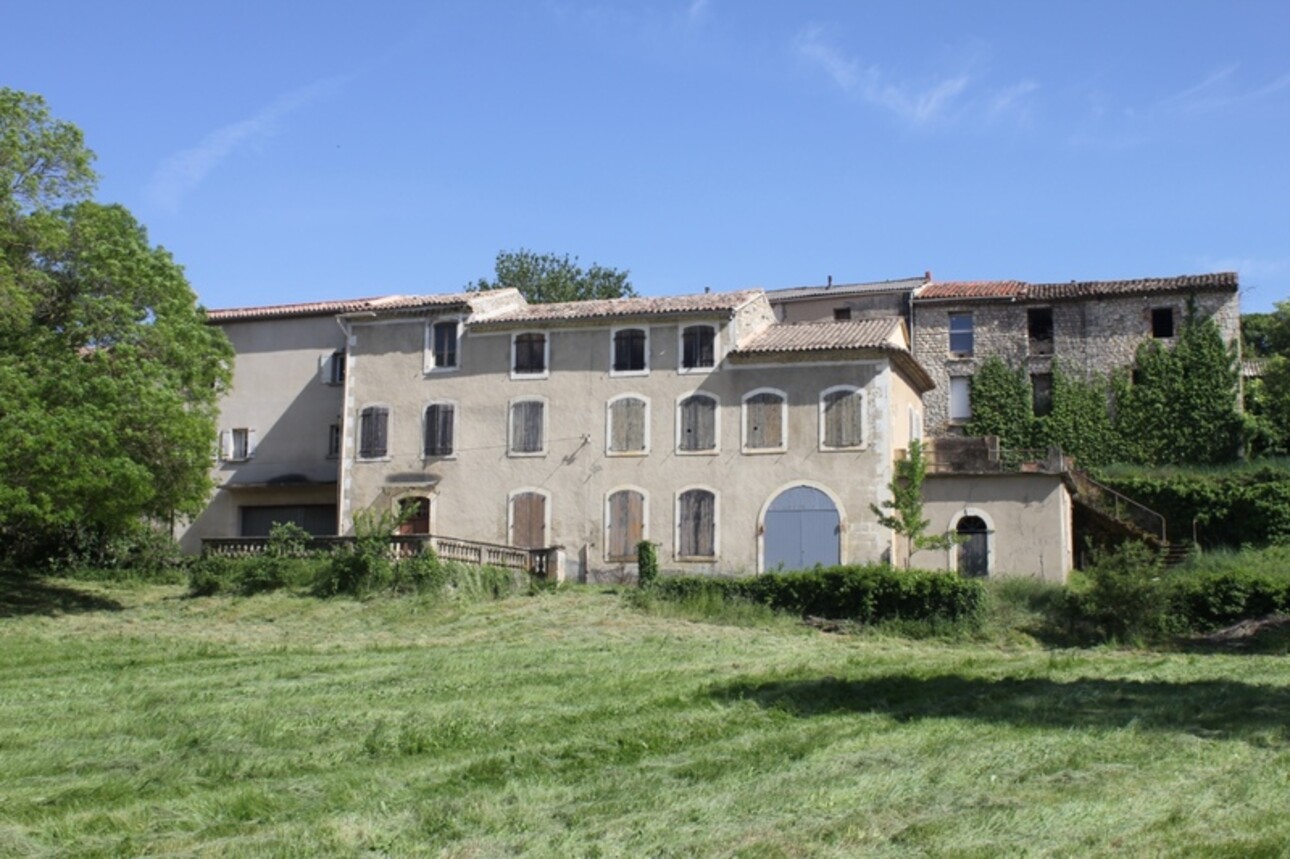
[(135, 721)]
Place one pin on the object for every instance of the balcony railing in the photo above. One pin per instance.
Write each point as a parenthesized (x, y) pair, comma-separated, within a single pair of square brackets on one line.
[(536, 561)]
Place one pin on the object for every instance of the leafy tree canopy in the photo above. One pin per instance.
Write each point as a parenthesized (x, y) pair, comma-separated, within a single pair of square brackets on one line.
[(109, 374), (903, 511), (547, 278)]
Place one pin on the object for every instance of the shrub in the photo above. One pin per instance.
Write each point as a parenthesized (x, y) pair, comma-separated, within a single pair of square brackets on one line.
[(868, 594), (1212, 600), (1123, 594), (646, 563)]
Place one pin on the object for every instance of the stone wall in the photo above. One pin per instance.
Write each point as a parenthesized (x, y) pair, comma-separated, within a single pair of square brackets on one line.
[(1090, 336)]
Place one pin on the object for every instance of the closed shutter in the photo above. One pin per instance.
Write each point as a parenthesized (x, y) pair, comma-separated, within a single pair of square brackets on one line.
[(698, 423), (697, 524), (526, 427), (438, 429), (373, 427), (844, 419), (627, 425), (764, 416), (626, 524), (528, 520)]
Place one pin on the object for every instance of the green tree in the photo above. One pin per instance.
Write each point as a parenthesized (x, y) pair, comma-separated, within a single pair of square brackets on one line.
[(1180, 405), (109, 374), (547, 278), (903, 512)]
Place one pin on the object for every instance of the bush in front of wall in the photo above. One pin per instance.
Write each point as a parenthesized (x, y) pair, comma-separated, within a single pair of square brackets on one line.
[(646, 563), (868, 594)]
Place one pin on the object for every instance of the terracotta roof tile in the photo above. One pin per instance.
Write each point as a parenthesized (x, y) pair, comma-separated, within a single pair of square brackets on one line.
[(626, 307), (819, 336), (332, 308), (1021, 291)]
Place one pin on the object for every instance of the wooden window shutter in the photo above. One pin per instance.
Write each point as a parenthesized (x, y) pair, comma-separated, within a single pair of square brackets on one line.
[(526, 427), (528, 520), (764, 416), (698, 423), (626, 524), (697, 525), (627, 425)]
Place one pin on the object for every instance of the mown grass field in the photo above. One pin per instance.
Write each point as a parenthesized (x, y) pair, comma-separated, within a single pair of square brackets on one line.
[(136, 721)]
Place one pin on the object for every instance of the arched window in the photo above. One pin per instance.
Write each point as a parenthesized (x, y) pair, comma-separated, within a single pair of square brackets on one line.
[(696, 524), (631, 351), (697, 424), (764, 420), (974, 547), (842, 415), (624, 524), (628, 424)]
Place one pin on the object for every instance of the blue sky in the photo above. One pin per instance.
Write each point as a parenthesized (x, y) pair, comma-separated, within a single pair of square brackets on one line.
[(311, 150)]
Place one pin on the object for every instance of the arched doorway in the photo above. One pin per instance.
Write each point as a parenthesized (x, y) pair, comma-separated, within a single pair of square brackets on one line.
[(414, 515), (802, 528), (974, 547)]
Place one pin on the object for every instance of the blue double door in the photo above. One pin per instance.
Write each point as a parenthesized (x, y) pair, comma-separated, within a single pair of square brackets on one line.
[(803, 528)]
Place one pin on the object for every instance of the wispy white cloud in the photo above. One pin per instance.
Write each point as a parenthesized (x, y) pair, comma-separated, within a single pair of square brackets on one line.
[(180, 173), (697, 9), (1219, 90), (922, 105)]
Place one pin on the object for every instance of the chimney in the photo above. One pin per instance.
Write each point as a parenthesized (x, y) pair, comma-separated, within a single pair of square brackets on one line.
[(830, 284), (927, 276), (707, 290)]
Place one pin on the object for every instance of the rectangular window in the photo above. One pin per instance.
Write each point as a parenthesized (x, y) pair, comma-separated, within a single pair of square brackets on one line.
[(960, 398), (841, 314), (438, 429), (961, 334), (842, 419), (373, 432), (696, 524), (444, 344), (530, 354), (698, 347), (336, 369), (527, 417), (1039, 322), (698, 424), (764, 421), (1162, 322), (1041, 393), (630, 351), (240, 444), (333, 441), (628, 417)]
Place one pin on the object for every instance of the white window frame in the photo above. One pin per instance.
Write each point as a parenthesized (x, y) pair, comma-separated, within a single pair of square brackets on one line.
[(430, 365), (607, 516), (613, 333), (965, 383), (864, 418), (783, 421), (716, 425), (358, 432), (546, 355), (609, 425), (716, 527), (510, 427), (228, 444), (680, 348), (332, 368), (456, 412), (510, 512)]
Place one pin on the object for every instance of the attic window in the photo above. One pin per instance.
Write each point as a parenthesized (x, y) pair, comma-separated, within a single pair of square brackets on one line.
[(841, 314), (1162, 322)]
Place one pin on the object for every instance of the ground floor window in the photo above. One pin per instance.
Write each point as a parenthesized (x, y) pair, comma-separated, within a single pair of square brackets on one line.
[(318, 519)]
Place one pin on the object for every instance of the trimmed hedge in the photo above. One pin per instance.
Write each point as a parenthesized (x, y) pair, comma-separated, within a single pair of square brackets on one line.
[(863, 593), (1215, 600)]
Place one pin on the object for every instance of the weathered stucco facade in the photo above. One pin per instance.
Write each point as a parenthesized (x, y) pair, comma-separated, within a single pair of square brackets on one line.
[(1091, 328), (575, 473)]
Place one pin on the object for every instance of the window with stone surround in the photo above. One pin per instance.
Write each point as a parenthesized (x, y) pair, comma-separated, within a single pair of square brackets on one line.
[(1162, 322), (960, 399)]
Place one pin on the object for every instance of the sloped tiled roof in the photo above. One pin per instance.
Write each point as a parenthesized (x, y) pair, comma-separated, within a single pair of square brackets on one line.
[(714, 302), (1016, 290), (798, 293), (877, 334), (332, 308), (1252, 368), (819, 336)]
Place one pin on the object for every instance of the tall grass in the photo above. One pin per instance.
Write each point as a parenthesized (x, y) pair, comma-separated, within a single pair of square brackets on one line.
[(571, 723)]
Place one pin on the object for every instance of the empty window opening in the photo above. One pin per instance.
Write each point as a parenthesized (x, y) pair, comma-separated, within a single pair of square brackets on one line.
[(1041, 393), (1040, 322), (1162, 322)]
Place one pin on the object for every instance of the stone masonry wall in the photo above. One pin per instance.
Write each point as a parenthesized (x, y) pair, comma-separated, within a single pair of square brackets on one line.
[(1090, 336)]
